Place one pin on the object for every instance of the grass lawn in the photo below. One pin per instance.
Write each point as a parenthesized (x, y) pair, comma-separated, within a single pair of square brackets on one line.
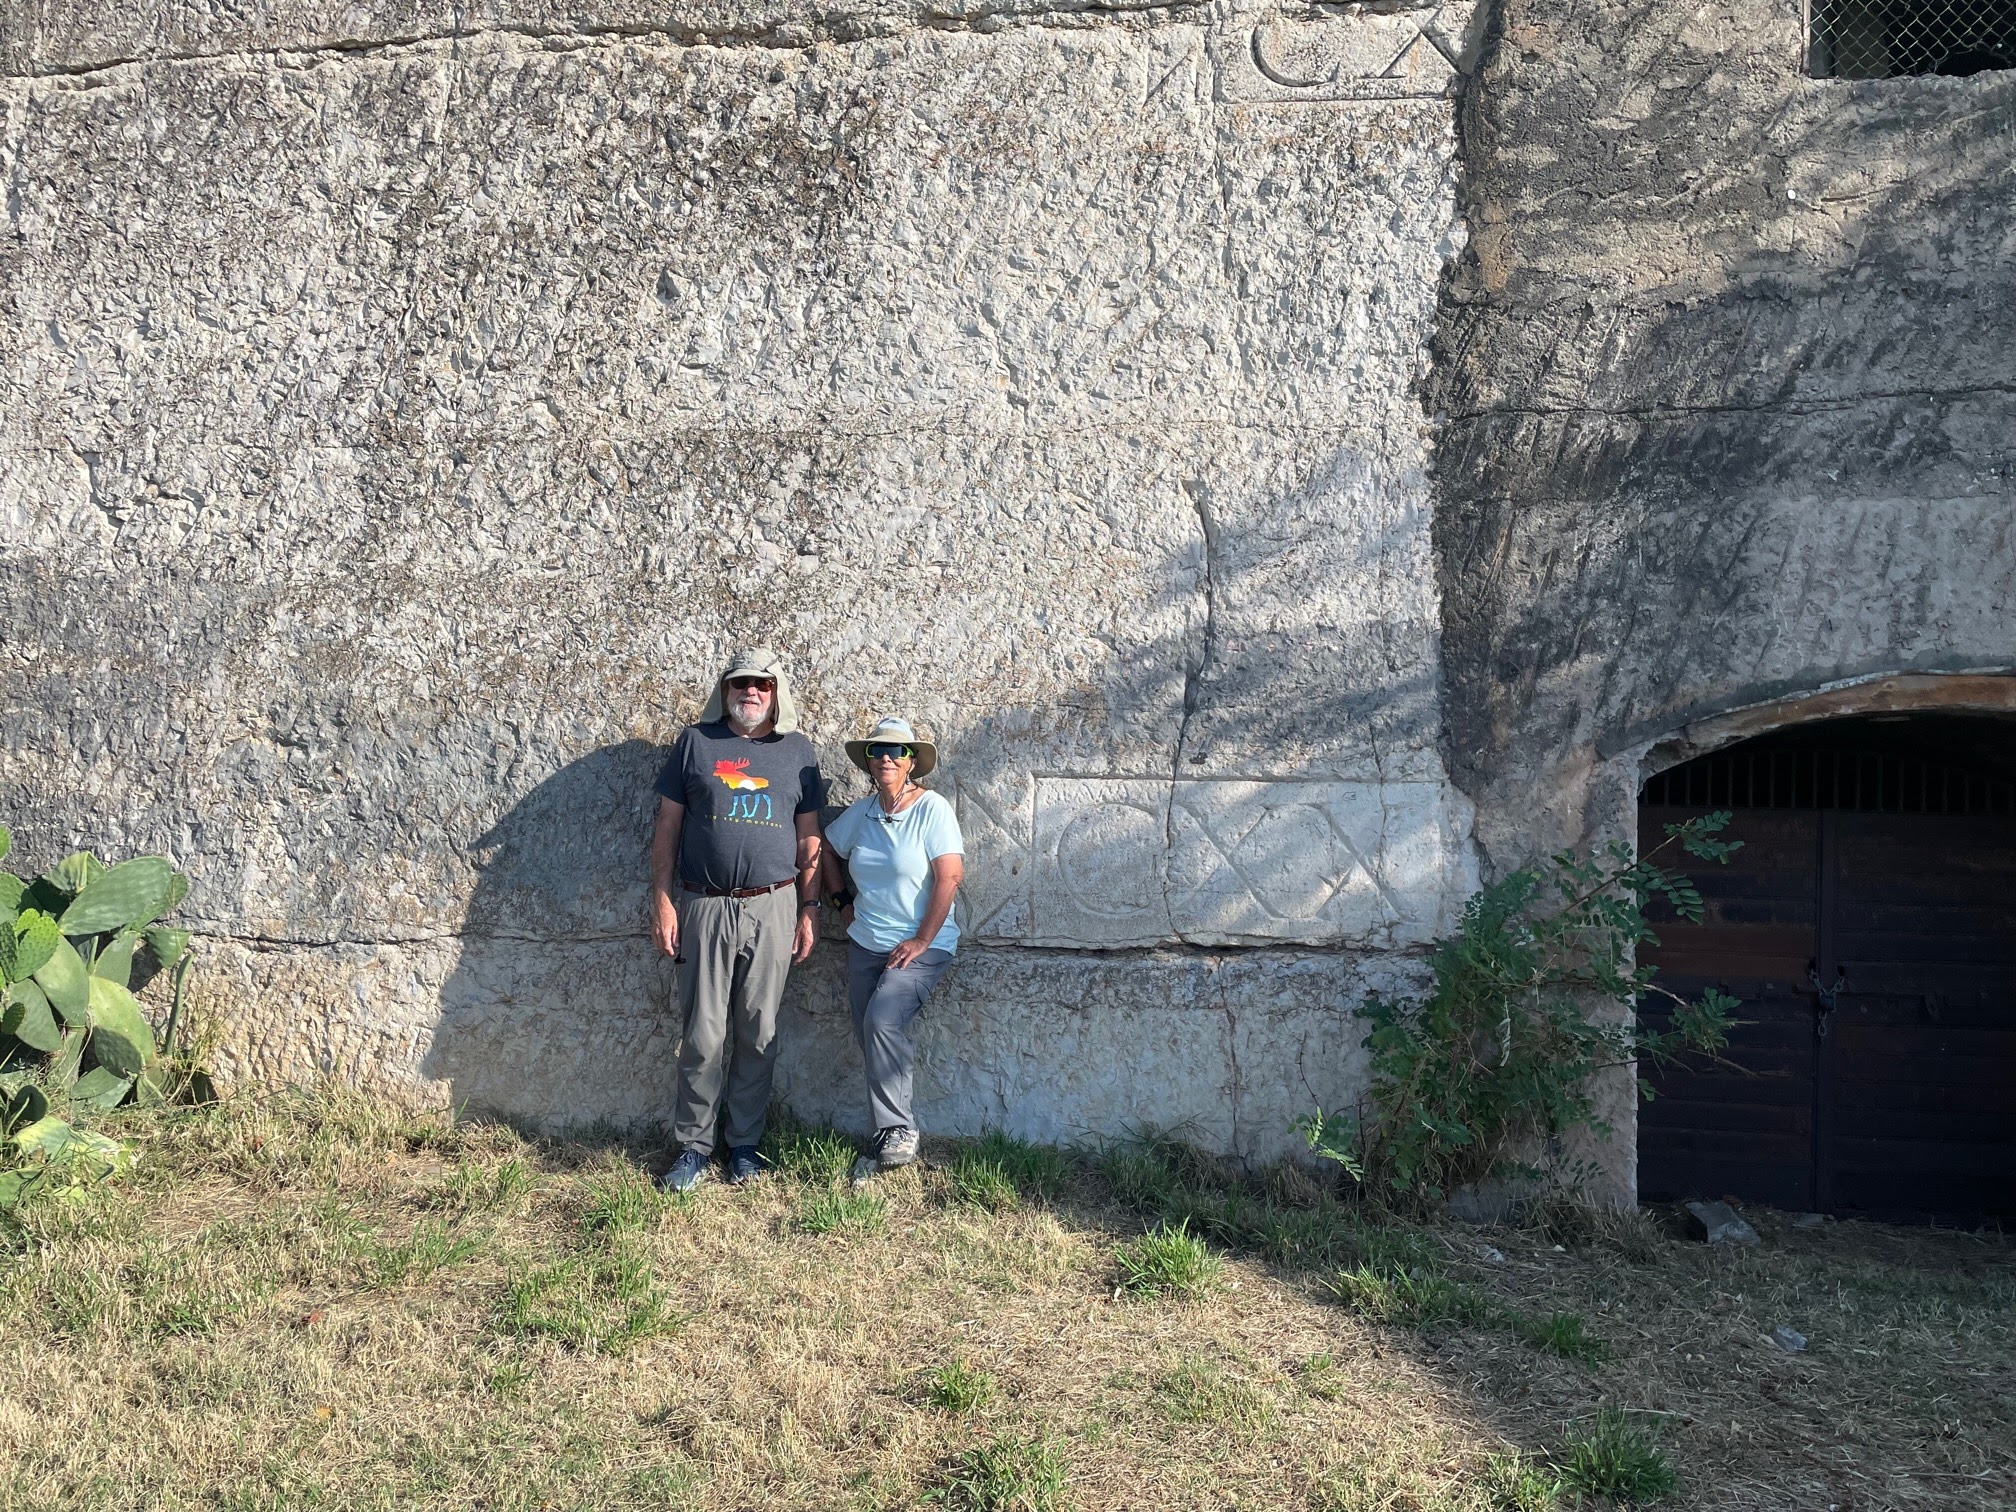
[(312, 1299)]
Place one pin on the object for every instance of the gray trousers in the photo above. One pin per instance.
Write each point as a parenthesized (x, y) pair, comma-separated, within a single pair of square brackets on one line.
[(737, 952), (885, 1003)]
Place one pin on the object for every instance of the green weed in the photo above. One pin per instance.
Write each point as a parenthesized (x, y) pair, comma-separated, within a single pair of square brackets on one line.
[(982, 1183), (1198, 1391), (432, 1246), (1038, 1171), (817, 1155), (1006, 1474), (474, 1187), (825, 1211), (958, 1387), (595, 1303), (1321, 1378), (1565, 1334), (1167, 1261), (508, 1379), (625, 1200), (1614, 1458), (1515, 1482), (1416, 1298)]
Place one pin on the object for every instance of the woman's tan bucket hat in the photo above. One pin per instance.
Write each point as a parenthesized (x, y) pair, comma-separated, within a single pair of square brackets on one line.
[(894, 732)]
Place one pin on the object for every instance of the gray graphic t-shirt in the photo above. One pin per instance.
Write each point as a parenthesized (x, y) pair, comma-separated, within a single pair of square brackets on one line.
[(742, 798)]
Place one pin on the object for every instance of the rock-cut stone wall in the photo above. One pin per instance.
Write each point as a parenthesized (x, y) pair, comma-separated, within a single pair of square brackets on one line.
[(407, 406)]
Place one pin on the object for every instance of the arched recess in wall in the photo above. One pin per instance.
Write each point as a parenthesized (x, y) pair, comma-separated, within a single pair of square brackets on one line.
[(1869, 925)]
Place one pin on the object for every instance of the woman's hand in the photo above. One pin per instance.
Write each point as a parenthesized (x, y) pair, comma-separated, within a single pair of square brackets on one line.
[(905, 953)]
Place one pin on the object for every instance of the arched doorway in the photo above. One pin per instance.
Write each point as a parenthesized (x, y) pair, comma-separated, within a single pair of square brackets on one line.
[(1869, 926)]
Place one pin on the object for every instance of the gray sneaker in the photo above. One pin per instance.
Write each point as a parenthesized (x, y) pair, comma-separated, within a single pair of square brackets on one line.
[(892, 1148), (685, 1173)]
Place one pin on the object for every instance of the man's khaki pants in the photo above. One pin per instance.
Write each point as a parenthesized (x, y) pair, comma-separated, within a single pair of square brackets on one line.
[(738, 951)]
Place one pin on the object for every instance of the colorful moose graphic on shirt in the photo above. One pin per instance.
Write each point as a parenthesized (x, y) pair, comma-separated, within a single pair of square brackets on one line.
[(748, 790)]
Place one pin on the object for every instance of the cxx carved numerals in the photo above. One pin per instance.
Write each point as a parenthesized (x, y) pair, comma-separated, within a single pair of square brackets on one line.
[(1409, 54)]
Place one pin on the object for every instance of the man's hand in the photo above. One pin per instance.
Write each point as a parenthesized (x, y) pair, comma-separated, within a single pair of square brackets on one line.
[(664, 924), (905, 953), (804, 936)]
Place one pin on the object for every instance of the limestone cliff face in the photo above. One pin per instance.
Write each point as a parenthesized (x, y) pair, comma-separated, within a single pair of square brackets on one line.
[(1727, 386), (407, 407), (408, 404)]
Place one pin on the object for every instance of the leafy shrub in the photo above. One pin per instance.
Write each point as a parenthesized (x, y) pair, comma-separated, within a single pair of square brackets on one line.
[(1006, 1474), (1532, 996), (1167, 1262)]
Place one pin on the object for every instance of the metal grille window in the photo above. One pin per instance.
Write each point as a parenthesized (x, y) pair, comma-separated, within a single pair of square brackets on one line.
[(1863, 782), (1888, 39)]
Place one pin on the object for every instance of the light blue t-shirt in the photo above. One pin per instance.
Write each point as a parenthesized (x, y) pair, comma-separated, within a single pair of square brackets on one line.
[(890, 862)]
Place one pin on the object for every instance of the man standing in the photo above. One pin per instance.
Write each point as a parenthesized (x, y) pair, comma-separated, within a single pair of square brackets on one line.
[(734, 879)]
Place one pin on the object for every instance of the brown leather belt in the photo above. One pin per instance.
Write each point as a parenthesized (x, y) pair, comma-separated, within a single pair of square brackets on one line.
[(735, 892)]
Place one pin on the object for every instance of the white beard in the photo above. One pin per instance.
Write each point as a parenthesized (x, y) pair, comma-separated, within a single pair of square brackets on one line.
[(742, 726)]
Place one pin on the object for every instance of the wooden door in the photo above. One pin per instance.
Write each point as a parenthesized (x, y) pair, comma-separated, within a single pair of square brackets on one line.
[(1711, 1130), (1875, 954)]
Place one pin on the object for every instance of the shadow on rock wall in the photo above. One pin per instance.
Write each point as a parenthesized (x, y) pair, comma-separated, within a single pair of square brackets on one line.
[(557, 1001), (559, 1012)]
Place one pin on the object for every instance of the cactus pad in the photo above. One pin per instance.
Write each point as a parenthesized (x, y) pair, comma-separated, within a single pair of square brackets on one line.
[(31, 941), (101, 1089), (115, 962), (70, 875), (68, 985), (133, 892), (28, 1019), (120, 1035), (167, 944), (25, 1106)]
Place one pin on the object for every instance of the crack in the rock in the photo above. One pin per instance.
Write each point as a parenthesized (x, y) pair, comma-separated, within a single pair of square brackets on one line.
[(373, 942), (1199, 494), (1768, 406), (783, 36)]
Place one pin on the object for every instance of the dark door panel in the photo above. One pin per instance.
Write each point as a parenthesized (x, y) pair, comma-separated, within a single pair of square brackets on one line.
[(1898, 1098)]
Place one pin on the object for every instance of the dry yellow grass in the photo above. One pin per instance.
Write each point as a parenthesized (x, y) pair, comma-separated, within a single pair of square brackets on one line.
[(306, 1300)]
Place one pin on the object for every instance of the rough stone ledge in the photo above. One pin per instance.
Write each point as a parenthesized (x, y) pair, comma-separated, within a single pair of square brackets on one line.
[(790, 32), (1226, 1048)]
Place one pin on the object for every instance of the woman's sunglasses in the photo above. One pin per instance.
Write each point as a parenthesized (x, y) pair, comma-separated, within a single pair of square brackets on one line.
[(892, 752), (739, 683)]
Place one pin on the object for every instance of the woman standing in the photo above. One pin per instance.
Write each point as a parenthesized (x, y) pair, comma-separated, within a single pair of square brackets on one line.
[(902, 849)]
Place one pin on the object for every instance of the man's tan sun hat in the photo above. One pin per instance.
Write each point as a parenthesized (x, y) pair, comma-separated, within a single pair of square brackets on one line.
[(754, 663), (894, 732)]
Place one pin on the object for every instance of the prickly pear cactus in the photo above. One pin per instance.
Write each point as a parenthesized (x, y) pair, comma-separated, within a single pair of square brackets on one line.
[(68, 946)]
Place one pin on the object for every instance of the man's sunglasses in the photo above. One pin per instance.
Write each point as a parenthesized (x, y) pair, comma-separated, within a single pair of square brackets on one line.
[(893, 752), (765, 683)]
